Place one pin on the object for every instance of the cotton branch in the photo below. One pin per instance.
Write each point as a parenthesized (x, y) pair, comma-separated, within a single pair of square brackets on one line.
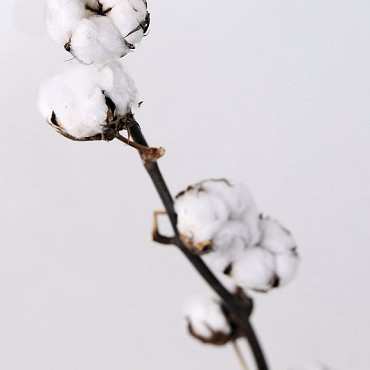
[(240, 308)]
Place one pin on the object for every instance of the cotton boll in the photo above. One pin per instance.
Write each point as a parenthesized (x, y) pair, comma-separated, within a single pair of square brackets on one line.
[(62, 17), (97, 40), (286, 267), (76, 99), (200, 215), (275, 237), (130, 18), (255, 269), (206, 320)]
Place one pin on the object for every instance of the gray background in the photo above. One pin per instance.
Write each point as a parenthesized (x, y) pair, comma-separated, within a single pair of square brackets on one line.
[(271, 93)]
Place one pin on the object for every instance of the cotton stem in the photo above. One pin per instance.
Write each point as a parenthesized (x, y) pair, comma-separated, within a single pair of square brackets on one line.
[(240, 309)]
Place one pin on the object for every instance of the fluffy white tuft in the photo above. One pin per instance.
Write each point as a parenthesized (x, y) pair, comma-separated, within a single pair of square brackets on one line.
[(200, 215), (255, 269), (128, 16), (97, 40), (275, 237), (205, 317), (286, 267), (62, 17)]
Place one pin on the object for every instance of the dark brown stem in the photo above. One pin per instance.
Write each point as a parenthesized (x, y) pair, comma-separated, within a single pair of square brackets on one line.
[(239, 308)]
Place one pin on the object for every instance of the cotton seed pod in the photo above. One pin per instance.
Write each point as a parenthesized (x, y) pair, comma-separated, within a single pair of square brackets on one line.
[(85, 101), (207, 321), (97, 31)]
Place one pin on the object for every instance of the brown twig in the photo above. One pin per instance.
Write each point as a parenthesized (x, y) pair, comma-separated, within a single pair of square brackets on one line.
[(147, 153), (156, 235)]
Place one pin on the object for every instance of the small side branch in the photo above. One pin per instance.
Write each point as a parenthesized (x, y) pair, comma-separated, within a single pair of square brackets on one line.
[(147, 154), (156, 235)]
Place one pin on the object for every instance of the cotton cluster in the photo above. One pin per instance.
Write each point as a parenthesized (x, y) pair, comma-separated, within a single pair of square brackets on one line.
[(207, 321), (82, 100), (220, 221), (96, 31)]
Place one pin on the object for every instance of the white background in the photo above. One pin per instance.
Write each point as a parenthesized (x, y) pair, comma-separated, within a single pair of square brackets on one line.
[(275, 94)]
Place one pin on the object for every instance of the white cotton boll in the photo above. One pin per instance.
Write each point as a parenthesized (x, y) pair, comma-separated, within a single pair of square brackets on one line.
[(97, 40), (200, 215), (128, 16), (275, 237), (254, 269), (205, 317), (76, 97), (286, 267), (62, 17)]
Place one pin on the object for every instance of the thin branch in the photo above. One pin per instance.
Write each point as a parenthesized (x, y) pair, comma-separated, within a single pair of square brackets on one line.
[(156, 235), (240, 309)]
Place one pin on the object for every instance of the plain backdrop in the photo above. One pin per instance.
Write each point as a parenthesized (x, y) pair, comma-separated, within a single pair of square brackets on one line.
[(275, 94)]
